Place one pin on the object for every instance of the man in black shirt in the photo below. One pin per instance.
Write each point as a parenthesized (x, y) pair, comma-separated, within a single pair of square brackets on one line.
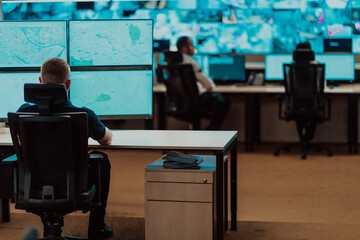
[(56, 70)]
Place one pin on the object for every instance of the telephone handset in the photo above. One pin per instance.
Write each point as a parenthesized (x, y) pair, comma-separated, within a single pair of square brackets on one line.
[(256, 79)]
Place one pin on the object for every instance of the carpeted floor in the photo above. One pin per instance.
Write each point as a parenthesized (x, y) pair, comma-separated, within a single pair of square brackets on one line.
[(283, 197)]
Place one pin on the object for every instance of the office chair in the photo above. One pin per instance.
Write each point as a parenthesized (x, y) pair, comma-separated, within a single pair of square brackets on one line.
[(304, 102), (51, 174), (182, 94)]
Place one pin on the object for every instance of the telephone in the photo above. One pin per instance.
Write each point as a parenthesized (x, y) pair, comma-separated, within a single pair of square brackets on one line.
[(256, 79)]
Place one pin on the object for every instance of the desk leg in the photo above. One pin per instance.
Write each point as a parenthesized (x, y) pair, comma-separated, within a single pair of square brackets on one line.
[(252, 121), (5, 210), (353, 123), (220, 195), (161, 112), (233, 167), (226, 206)]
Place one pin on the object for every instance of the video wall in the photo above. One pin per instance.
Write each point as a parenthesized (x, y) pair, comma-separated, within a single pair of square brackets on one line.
[(111, 70), (219, 26)]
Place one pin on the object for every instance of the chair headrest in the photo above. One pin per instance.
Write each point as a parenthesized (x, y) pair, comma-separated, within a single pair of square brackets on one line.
[(303, 55), (45, 95), (173, 57)]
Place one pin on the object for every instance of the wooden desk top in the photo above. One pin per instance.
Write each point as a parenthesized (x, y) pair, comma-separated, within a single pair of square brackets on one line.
[(269, 88), (159, 139)]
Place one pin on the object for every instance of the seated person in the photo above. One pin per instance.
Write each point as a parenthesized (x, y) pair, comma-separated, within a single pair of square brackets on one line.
[(56, 70), (210, 102)]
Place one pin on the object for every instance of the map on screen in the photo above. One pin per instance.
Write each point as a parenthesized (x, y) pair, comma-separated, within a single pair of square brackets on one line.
[(12, 90), (110, 93), (30, 44), (111, 43)]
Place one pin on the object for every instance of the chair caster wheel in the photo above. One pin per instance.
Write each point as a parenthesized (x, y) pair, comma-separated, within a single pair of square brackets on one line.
[(303, 156), (330, 154), (276, 153)]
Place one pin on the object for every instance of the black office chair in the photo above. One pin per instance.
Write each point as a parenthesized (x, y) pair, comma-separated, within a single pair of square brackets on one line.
[(304, 102), (182, 95), (52, 159)]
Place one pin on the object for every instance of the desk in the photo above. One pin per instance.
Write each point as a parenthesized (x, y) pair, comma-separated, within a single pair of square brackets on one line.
[(252, 108), (218, 142)]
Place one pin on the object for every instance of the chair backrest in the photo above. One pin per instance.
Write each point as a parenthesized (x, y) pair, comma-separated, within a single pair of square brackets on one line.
[(180, 81), (52, 152), (302, 56), (304, 88)]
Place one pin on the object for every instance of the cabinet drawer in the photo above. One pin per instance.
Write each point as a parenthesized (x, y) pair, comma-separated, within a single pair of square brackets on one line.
[(179, 192), (178, 220), (184, 177)]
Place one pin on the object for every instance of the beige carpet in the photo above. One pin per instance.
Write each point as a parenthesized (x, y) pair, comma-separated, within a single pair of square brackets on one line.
[(281, 197)]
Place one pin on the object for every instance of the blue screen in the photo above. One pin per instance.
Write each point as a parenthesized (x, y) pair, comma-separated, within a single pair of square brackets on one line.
[(113, 93), (29, 44), (274, 66), (338, 66), (12, 90), (111, 43), (226, 68)]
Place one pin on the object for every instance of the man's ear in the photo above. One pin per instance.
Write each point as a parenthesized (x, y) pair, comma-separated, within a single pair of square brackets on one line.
[(40, 80), (67, 84)]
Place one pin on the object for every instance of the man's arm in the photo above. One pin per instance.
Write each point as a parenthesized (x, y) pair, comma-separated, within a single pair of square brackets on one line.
[(107, 139)]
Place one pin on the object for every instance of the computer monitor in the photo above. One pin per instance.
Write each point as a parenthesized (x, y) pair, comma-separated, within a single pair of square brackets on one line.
[(161, 45), (338, 67), (224, 69), (12, 90), (113, 94), (337, 45), (110, 43), (274, 66), (31, 43)]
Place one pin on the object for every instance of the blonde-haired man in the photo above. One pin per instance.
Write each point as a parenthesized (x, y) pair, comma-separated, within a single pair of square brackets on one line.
[(56, 70)]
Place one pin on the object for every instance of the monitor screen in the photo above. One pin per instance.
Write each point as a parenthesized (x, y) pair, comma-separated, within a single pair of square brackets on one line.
[(274, 66), (161, 45), (338, 66), (30, 43), (111, 42), (12, 90), (113, 94), (338, 45), (225, 68)]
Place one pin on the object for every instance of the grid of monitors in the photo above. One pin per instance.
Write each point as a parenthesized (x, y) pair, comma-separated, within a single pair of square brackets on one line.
[(113, 93), (338, 67), (110, 43), (219, 26), (12, 90), (30, 43)]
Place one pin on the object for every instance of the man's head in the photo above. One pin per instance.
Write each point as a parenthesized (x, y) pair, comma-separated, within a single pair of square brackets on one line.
[(185, 45), (55, 70)]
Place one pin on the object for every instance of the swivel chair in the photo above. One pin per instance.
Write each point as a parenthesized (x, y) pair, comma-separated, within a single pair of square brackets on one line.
[(51, 172), (304, 101), (182, 95)]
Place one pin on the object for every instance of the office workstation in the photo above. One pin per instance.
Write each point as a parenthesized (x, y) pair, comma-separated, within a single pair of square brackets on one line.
[(123, 68)]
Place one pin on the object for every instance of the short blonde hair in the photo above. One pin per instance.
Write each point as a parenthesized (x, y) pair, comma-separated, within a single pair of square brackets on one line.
[(55, 70)]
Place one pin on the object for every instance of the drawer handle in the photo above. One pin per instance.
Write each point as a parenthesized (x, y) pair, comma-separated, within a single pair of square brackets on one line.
[(205, 180)]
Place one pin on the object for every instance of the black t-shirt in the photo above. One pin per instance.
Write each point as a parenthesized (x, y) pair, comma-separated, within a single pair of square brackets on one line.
[(95, 127)]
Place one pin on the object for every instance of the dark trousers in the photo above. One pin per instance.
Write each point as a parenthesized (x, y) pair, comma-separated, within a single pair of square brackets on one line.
[(98, 213), (217, 106)]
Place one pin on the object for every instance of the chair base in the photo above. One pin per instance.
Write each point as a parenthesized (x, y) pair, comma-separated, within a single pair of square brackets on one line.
[(304, 148)]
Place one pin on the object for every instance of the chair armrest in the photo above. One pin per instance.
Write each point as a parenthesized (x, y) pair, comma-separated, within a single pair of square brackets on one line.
[(8, 170), (94, 160)]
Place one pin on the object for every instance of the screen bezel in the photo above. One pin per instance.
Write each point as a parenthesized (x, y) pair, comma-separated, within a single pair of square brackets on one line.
[(112, 20), (29, 68), (125, 116)]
